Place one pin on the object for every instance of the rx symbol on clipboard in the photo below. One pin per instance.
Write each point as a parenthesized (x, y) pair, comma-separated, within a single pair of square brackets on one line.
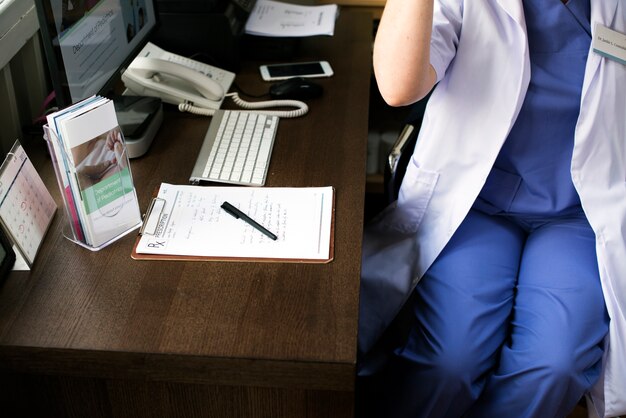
[(156, 244)]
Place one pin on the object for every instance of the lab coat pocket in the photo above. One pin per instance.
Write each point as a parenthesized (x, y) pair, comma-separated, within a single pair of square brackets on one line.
[(416, 191)]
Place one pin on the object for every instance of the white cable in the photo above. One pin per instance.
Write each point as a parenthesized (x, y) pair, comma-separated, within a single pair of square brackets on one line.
[(301, 107), (201, 111)]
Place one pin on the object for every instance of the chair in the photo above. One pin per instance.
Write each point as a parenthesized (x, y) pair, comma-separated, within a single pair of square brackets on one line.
[(402, 149)]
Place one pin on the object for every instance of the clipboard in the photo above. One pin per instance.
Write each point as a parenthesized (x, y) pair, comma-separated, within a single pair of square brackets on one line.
[(26, 206), (220, 237)]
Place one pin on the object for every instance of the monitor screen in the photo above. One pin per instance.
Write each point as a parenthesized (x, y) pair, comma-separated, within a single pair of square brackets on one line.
[(88, 42)]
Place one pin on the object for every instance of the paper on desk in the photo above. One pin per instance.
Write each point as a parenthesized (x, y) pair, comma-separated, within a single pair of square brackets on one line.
[(190, 222), (272, 18)]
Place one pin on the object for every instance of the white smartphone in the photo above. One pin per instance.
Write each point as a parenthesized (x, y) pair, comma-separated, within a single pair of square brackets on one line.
[(311, 69)]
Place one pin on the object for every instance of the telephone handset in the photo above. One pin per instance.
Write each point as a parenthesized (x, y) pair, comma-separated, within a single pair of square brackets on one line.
[(154, 68), (194, 86), (176, 79), (165, 77)]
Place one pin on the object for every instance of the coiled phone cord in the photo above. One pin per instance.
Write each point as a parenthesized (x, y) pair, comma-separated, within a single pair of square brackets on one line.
[(301, 107)]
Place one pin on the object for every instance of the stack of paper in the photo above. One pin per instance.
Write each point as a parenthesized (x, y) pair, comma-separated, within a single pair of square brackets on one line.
[(93, 171), (272, 18)]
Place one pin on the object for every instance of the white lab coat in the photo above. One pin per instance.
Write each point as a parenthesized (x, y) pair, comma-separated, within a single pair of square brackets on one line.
[(467, 120)]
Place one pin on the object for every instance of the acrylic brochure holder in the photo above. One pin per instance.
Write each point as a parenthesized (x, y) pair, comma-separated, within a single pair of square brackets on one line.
[(100, 206)]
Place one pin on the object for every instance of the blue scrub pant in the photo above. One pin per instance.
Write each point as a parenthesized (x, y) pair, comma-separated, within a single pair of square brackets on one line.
[(509, 322)]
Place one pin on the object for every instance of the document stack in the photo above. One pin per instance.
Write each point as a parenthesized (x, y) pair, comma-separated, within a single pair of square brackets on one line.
[(93, 172)]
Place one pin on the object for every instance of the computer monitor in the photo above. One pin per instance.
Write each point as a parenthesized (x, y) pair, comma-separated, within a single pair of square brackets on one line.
[(88, 42)]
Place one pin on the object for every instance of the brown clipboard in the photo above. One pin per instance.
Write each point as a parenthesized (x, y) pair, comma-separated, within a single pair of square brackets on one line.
[(174, 257)]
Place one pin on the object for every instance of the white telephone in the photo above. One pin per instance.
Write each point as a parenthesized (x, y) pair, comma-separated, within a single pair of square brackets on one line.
[(154, 74), (194, 86), (176, 79)]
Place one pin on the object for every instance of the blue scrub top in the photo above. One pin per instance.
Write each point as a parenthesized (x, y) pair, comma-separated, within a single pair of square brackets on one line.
[(532, 172)]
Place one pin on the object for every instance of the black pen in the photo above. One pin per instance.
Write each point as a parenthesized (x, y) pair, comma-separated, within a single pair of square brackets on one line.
[(240, 215)]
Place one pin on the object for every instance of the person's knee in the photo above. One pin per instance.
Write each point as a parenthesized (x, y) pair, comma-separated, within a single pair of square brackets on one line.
[(554, 367), (451, 364), (559, 369)]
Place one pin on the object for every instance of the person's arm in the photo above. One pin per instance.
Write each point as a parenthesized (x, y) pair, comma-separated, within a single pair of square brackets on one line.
[(402, 51)]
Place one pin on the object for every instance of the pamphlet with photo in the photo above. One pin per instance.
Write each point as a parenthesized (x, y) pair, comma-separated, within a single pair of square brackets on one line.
[(91, 146)]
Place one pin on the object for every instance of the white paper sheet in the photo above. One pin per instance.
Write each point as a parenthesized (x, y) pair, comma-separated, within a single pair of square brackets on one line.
[(188, 221), (277, 19)]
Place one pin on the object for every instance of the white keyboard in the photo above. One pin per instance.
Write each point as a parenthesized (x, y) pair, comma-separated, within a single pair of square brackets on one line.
[(236, 149)]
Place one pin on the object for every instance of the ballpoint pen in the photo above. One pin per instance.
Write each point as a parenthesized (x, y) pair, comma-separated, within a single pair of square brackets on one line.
[(230, 209)]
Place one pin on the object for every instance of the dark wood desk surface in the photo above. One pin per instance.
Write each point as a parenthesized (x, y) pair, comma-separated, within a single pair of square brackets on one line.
[(83, 324)]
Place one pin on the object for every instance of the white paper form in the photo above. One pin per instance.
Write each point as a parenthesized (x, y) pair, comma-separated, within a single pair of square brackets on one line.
[(272, 18), (188, 221)]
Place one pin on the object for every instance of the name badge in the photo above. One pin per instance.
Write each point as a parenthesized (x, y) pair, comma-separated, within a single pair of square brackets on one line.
[(609, 43)]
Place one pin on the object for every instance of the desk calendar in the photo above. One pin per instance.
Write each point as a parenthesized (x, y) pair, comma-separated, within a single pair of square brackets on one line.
[(26, 206)]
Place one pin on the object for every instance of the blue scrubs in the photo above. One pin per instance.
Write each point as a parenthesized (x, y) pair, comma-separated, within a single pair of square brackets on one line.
[(532, 171), (509, 321)]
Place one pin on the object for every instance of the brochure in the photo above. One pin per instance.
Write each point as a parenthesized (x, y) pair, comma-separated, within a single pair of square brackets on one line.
[(91, 153)]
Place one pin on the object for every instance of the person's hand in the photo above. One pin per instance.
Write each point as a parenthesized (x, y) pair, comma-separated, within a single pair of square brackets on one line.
[(113, 138), (95, 171)]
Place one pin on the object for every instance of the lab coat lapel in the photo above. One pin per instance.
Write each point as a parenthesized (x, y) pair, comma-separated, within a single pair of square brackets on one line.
[(519, 50), (514, 9), (603, 12)]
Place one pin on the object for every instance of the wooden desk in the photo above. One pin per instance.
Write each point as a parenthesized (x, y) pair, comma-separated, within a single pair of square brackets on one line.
[(97, 334)]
